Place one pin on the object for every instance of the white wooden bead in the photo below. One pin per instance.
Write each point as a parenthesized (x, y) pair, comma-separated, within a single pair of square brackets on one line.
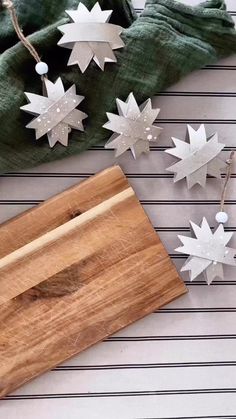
[(222, 217), (41, 68)]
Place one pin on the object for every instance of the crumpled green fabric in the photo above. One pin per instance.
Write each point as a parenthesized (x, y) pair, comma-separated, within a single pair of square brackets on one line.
[(165, 43)]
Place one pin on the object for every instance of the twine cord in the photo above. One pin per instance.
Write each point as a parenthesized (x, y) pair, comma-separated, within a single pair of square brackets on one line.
[(8, 4), (227, 178)]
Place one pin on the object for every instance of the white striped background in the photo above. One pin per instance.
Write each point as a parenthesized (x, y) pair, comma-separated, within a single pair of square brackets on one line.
[(177, 363)]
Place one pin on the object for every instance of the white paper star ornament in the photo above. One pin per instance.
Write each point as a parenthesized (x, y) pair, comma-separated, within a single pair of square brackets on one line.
[(56, 113), (133, 128), (199, 157), (91, 37), (207, 252)]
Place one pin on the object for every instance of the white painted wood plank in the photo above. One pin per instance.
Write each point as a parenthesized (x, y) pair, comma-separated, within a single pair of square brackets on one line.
[(156, 352), (157, 407), (133, 380), (182, 325)]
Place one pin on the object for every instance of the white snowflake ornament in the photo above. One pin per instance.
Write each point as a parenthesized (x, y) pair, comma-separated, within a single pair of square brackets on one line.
[(56, 113), (198, 158), (133, 128), (207, 252), (91, 37)]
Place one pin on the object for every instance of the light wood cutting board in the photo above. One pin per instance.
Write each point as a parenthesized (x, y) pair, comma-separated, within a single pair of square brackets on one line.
[(74, 270)]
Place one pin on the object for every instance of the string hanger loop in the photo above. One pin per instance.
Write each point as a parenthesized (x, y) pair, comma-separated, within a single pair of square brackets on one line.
[(41, 67)]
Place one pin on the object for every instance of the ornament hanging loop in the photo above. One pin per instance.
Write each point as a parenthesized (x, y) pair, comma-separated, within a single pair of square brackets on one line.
[(8, 4), (229, 162)]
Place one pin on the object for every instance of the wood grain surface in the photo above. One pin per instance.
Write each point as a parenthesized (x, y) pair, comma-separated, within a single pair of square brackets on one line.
[(66, 285), (60, 209)]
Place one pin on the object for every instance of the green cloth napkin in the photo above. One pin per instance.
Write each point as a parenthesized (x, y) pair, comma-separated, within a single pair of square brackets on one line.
[(165, 43)]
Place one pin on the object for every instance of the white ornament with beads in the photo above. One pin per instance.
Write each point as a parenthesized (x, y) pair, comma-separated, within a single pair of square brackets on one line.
[(208, 251)]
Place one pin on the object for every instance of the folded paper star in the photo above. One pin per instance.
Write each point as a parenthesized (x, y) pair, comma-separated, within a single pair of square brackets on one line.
[(199, 157), (208, 251), (90, 36), (56, 112), (133, 127)]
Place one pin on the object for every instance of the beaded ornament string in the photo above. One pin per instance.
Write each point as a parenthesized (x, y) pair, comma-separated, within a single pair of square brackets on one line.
[(222, 216), (41, 67), (56, 110)]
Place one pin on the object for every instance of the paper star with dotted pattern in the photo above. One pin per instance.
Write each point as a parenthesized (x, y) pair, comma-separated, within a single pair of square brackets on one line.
[(90, 36), (208, 251), (133, 127), (199, 157), (56, 112)]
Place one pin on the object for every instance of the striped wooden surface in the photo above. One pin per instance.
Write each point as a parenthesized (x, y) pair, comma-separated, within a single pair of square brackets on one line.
[(179, 362)]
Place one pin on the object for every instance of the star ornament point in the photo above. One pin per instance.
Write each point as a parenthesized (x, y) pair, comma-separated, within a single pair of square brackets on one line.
[(56, 114), (90, 36), (208, 251), (198, 157), (133, 127)]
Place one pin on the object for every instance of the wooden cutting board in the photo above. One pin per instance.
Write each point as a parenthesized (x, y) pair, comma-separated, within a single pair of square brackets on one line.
[(74, 270)]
